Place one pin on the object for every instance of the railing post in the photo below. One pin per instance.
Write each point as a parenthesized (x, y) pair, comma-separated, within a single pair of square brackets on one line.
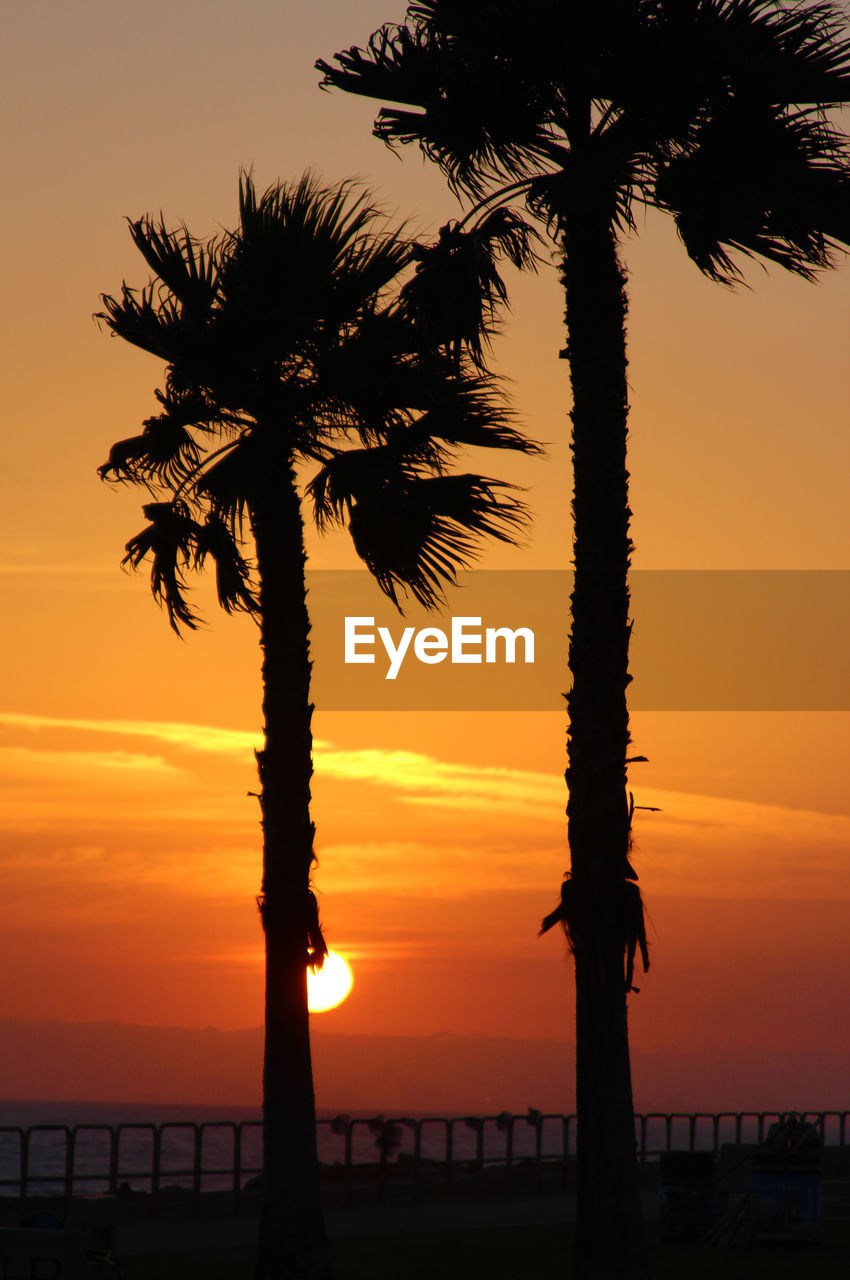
[(349, 1191), (567, 1122), (113, 1160), (505, 1123), (157, 1154), (197, 1152), (535, 1119), (416, 1126), (25, 1164), (117, 1165), (476, 1124), (237, 1167), (16, 1182), (509, 1148), (70, 1152), (382, 1164)]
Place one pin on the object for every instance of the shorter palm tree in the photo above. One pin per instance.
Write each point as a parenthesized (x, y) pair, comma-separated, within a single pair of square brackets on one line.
[(290, 353)]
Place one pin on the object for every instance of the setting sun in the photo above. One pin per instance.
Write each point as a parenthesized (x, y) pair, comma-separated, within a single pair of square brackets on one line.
[(330, 985)]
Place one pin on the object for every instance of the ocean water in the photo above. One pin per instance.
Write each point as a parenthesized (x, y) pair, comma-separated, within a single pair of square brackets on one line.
[(26, 1114), (47, 1149), (117, 1141)]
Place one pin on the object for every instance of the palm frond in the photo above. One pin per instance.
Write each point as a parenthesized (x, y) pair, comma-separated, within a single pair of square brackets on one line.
[(685, 61), (454, 297), (322, 215), (470, 410), (761, 182), (345, 475), (367, 373), (170, 540), (305, 262), (417, 533), (507, 234), (460, 411), (165, 453), (396, 65), (365, 270), (188, 268), (305, 347), (454, 432), (794, 53), (135, 316), (486, 93), (333, 226), (479, 103), (232, 573), (230, 483), (384, 375)]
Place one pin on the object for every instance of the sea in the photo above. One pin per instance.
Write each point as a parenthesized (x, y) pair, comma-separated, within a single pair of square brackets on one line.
[(115, 1143), (217, 1130)]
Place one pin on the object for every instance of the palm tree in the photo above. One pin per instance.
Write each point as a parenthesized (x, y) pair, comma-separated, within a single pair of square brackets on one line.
[(288, 352), (715, 112)]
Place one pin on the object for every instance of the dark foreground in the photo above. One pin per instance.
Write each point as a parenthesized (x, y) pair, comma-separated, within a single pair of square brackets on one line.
[(472, 1224), (515, 1253)]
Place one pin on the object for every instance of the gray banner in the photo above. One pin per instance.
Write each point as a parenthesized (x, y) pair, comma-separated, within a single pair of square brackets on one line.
[(703, 640)]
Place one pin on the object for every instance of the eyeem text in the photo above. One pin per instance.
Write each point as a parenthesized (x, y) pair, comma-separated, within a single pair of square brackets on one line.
[(430, 645)]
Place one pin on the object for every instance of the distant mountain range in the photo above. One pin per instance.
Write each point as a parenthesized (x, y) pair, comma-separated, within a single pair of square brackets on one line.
[(442, 1074)]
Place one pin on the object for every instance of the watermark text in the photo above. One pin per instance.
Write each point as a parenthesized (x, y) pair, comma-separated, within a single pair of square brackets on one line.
[(465, 643)]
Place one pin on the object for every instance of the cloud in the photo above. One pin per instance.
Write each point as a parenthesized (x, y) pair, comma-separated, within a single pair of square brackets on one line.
[(25, 761), (371, 954), (194, 737), (706, 845), (696, 844), (59, 570), (430, 868), (425, 780), (420, 779), (130, 874)]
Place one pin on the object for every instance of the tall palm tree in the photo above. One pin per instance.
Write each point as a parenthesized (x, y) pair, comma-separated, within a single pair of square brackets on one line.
[(715, 112), (288, 352)]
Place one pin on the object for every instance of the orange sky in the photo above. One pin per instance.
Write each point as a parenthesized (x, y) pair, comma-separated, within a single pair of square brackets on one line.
[(129, 845)]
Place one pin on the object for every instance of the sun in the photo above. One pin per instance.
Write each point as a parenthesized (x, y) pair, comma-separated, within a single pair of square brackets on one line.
[(330, 986)]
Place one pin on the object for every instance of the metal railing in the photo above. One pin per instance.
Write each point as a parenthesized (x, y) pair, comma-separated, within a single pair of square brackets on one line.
[(63, 1160), (399, 1152)]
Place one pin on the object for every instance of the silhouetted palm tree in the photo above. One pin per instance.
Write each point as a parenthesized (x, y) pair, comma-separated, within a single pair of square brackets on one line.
[(288, 352), (713, 111)]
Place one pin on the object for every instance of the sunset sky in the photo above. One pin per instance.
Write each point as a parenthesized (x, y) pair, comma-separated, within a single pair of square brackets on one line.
[(129, 846)]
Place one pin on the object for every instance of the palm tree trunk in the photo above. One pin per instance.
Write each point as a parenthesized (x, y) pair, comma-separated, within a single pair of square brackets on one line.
[(293, 1241), (609, 1234)]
